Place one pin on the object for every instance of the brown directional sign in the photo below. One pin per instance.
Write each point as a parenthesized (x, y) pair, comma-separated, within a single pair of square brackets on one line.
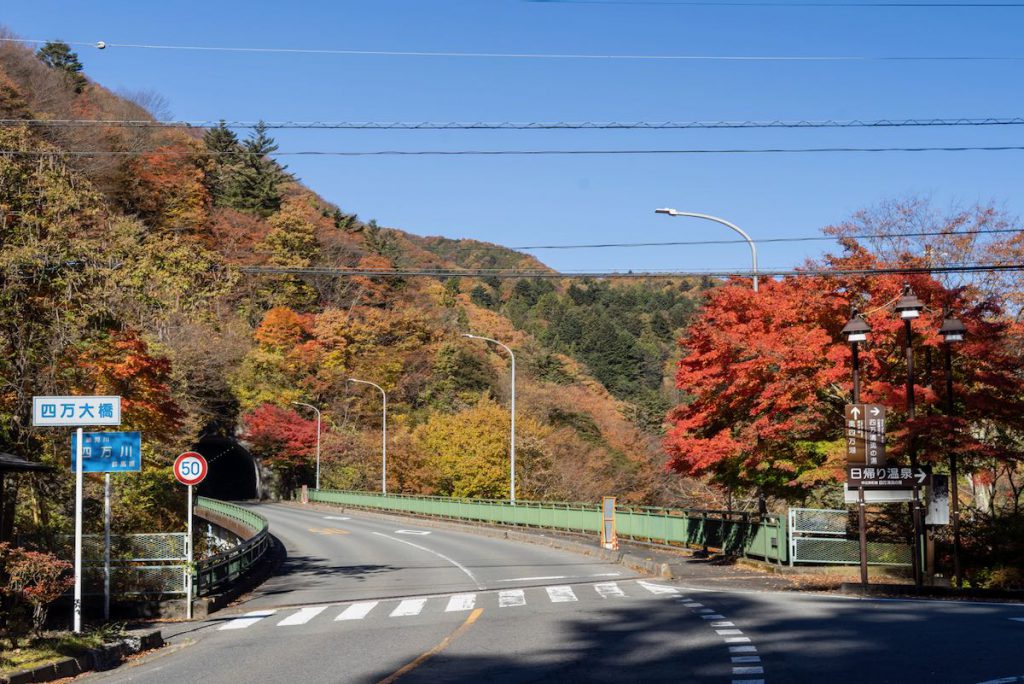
[(865, 434), (892, 477)]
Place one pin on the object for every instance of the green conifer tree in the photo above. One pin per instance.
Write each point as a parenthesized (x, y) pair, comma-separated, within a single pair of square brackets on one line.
[(58, 55)]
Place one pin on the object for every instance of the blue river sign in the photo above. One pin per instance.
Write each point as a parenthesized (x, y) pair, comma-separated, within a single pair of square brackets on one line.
[(109, 452)]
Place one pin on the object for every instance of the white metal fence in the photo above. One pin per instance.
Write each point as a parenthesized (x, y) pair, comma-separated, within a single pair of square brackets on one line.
[(820, 536)]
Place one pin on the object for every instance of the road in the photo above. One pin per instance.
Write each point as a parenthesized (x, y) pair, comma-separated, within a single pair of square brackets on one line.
[(371, 599)]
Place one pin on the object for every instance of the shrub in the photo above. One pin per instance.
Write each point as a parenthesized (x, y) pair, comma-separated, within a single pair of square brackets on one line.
[(30, 580)]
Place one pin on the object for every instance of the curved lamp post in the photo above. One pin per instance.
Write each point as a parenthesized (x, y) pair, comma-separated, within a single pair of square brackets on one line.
[(299, 403), (512, 451), (753, 249), (383, 435), (952, 331)]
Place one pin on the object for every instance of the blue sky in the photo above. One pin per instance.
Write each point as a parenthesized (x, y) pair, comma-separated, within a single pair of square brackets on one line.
[(542, 200)]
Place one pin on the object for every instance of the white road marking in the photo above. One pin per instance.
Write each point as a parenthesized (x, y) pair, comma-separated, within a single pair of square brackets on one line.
[(456, 563), (524, 579), (694, 605), (728, 632), (302, 617), (748, 670), (1017, 619), (460, 602), (737, 640), (336, 517), (357, 611), (743, 649), (511, 597), (657, 588), (748, 681), (712, 616), (606, 574), (421, 533), (409, 607), (560, 594), (746, 659), (248, 620), (609, 590), (722, 624), (705, 610)]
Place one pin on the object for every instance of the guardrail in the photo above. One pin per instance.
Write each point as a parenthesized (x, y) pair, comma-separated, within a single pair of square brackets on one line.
[(215, 572), (743, 534)]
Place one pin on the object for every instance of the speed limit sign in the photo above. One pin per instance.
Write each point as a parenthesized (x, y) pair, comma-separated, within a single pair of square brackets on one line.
[(190, 468)]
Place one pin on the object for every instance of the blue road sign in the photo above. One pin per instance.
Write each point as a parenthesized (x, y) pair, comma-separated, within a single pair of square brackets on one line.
[(109, 452)]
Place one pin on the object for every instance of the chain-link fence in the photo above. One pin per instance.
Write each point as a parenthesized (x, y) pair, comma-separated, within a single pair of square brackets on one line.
[(819, 536)]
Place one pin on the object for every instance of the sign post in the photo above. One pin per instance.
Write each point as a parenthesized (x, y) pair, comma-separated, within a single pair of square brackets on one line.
[(107, 452), (76, 412), (190, 469), (609, 540)]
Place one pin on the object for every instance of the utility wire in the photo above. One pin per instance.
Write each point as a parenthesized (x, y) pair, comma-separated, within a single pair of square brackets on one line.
[(479, 273), (540, 55), (508, 153), (528, 126), (815, 238), (730, 3)]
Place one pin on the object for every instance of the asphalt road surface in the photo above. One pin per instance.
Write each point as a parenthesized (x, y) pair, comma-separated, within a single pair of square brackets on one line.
[(369, 599)]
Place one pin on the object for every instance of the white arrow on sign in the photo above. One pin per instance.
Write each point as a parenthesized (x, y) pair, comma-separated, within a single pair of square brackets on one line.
[(875, 411), (921, 476), (856, 412)]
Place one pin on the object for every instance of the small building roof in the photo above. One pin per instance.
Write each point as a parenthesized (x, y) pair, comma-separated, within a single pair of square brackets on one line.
[(10, 463)]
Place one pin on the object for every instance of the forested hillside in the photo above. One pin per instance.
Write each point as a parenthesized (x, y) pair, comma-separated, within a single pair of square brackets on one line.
[(123, 258)]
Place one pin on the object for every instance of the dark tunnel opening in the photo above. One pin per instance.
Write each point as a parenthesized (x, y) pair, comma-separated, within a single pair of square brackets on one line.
[(232, 475)]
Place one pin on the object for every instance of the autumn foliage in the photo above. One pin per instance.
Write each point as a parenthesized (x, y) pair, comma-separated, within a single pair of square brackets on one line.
[(768, 375)]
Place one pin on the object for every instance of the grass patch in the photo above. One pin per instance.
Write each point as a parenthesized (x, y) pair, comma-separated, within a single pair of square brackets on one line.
[(51, 646)]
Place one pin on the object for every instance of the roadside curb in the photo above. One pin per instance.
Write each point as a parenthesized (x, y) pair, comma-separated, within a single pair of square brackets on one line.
[(632, 561), (910, 591), (106, 657)]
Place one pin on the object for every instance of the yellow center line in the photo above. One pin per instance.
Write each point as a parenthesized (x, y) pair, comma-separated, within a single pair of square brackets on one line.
[(427, 655), (327, 530)]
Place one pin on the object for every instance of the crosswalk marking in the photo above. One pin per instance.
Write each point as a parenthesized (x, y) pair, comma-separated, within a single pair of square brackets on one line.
[(657, 588), (560, 594), (302, 617), (460, 602), (357, 611), (248, 619), (409, 607), (609, 589), (511, 597)]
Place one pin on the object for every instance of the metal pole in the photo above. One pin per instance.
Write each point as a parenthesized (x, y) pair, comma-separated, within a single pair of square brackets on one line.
[(954, 490), (512, 448), (384, 435), (915, 507), (318, 450), (78, 532), (861, 512), (106, 546), (310, 406), (753, 248), (384, 444), (512, 457), (188, 554)]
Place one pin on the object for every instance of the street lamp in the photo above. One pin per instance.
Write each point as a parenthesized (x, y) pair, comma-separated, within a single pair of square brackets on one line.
[(909, 307), (952, 331), (856, 331), (383, 435), (299, 403), (753, 249), (512, 448)]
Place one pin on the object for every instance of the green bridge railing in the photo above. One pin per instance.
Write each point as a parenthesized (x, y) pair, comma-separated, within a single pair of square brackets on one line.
[(744, 534), (216, 572)]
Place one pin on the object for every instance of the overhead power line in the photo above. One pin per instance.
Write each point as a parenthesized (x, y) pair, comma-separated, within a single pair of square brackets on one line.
[(808, 238), (539, 55), (527, 153), (730, 3), (529, 126), (524, 273)]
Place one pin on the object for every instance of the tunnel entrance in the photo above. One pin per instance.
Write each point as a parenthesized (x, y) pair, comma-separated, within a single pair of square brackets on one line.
[(232, 475)]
